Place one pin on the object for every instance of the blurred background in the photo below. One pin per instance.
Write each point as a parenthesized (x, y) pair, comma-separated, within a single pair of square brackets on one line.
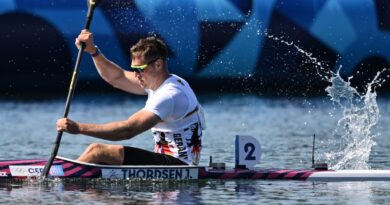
[(218, 45)]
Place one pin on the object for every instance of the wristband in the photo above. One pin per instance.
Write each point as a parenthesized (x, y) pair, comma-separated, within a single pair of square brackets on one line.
[(97, 51)]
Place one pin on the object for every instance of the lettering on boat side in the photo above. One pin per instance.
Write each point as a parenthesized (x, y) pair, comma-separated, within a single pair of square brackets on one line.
[(3, 174), (151, 173), (21, 171)]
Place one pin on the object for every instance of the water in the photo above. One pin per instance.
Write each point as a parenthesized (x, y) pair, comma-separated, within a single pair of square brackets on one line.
[(360, 115), (350, 144), (283, 125)]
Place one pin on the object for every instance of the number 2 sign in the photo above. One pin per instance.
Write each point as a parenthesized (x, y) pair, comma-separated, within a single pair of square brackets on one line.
[(248, 151)]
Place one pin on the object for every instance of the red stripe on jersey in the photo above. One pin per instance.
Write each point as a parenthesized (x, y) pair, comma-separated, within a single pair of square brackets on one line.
[(166, 150)]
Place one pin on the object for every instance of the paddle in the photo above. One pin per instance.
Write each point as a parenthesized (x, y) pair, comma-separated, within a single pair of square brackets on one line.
[(91, 7)]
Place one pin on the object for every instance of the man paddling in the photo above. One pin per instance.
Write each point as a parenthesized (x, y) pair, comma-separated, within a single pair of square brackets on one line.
[(172, 111)]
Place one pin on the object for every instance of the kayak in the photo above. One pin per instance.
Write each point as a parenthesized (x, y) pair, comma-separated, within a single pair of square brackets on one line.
[(247, 158), (68, 168)]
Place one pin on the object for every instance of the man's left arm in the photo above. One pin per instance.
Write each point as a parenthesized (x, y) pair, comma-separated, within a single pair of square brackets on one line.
[(114, 131)]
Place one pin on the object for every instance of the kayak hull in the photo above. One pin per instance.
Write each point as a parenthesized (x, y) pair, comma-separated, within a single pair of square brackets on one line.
[(67, 168)]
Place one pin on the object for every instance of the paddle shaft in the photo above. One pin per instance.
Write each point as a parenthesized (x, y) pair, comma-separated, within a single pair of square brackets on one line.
[(72, 87)]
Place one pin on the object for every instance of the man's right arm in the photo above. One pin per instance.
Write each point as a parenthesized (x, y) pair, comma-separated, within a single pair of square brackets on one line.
[(113, 131)]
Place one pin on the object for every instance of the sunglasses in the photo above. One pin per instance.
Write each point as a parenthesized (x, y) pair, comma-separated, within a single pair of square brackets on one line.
[(142, 68)]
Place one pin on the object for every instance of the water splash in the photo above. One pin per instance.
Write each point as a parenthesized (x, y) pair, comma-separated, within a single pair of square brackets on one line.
[(360, 113), (351, 142), (321, 68)]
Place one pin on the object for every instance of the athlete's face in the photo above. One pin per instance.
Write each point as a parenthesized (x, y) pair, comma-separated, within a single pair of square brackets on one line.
[(144, 75)]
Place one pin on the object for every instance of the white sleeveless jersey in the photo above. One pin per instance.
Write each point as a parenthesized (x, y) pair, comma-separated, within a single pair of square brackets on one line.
[(179, 134)]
